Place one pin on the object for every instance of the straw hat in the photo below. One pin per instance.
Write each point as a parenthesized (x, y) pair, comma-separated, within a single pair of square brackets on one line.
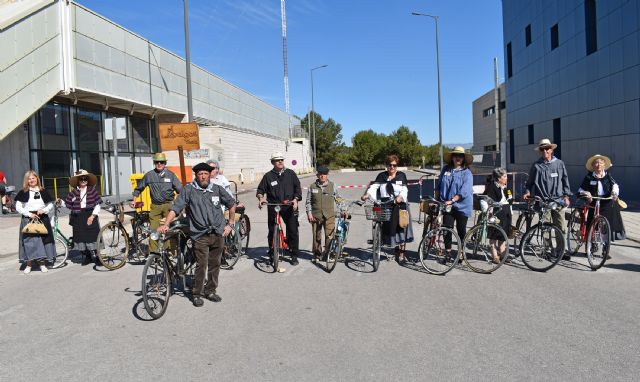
[(468, 158), (545, 143), (622, 204), (277, 156), (74, 180), (607, 162)]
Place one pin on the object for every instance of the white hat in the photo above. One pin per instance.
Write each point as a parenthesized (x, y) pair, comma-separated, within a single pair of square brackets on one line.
[(277, 156), (545, 143)]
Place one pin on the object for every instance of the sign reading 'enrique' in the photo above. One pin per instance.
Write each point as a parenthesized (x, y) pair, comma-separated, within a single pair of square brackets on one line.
[(173, 135)]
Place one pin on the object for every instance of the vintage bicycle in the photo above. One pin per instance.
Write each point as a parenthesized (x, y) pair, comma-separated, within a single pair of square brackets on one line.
[(335, 247), (167, 269), (542, 245), (63, 244), (236, 243), (481, 239), (115, 246), (434, 255), (596, 236), (279, 242), (378, 212)]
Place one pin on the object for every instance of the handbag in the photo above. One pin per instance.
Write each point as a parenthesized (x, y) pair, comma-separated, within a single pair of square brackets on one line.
[(403, 218), (36, 227)]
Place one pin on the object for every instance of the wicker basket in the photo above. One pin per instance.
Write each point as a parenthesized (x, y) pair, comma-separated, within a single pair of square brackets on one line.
[(378, 213)]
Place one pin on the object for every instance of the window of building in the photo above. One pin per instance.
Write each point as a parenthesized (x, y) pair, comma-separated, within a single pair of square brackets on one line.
[(557, 138), (530, 135), (143, 135), (512, 146), (591, 24), (527, 35), (489, 148), (89, 130), (555, 41), (489, 111), (54, 128), (502, 104), (509, 63)]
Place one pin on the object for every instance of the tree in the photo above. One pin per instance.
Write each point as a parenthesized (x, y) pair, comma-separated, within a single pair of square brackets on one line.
[(328, 137), (369, 148), (406, 144)]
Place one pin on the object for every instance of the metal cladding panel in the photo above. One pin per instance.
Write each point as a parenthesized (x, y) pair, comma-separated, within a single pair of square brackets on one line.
[(84, 48), (136, 47), (136, 68), (117, 61)]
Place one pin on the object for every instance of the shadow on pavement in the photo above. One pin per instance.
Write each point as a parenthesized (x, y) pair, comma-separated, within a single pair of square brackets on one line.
[(624, 267), (139, 312)]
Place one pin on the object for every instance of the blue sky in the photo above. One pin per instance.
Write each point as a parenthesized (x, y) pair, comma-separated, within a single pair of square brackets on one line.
[(381, 60)]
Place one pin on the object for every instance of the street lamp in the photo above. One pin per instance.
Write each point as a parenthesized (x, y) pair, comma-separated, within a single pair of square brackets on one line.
[(438, 69), (313, 116), (187, 52)]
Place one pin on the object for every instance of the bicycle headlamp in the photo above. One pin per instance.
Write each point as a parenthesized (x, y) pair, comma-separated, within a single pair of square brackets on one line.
[(154, 235)]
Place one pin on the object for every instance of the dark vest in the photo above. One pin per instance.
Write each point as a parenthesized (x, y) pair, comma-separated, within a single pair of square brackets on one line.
[(322, 202), (590, 183)]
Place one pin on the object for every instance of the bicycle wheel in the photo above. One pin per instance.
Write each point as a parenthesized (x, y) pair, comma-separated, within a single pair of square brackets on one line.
[(142, 245), (377, 246), (574, 237), (333, 252), (113, 246), (245, 230), (62, 252), (542, 247), (477, 247), (598, 242), (277, 248), (231, 251), (156, 289), (434, 256)]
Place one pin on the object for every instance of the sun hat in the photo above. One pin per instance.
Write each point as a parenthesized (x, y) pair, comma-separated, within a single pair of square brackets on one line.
[(607, 162), (75, 179), (159, 157), (545, 142), (277, 156), (468, 158), (201, 167)]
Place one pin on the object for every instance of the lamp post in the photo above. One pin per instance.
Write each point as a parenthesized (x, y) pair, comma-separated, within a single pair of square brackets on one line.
[(313, 117), (188, 60), (439, 99)]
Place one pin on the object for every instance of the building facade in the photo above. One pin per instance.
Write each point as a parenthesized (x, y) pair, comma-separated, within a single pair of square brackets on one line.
[(487, 132), (74, 82), (573, 76)]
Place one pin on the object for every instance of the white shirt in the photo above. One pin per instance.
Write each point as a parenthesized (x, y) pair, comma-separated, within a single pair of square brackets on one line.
[(33, 204), (83, 201), (398, 190)]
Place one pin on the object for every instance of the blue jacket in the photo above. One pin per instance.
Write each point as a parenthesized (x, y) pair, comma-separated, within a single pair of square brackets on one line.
[(457, 182)]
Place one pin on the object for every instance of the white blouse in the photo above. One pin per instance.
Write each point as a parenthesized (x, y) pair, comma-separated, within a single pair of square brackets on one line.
[(398, 190), (33, 204)]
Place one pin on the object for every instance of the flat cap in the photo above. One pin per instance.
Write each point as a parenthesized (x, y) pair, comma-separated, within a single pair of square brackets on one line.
[(201, 167)]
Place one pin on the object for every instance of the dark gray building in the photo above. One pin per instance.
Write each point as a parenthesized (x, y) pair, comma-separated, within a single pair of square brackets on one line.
[(485, 132), (573, 75)]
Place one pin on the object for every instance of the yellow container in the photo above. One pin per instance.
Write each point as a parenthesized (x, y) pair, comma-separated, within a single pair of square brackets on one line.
[(145, 195)]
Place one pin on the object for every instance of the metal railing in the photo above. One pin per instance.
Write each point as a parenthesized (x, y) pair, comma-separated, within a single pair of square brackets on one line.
[(61, 184)]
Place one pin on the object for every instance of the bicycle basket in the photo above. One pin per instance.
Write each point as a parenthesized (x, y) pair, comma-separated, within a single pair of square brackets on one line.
[(378, 213)]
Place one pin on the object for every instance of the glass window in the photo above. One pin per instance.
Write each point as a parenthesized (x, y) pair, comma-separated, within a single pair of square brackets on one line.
[(141, 131), (591, 26), (121, 132), (88, 130), (55, 168), (527, 35), (555, 40), (54, 127)]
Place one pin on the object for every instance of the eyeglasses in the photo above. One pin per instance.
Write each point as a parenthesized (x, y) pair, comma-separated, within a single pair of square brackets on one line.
[(278, 160), (392, 165), (160, 162), (546, 148), (36, 195), (83, 179)]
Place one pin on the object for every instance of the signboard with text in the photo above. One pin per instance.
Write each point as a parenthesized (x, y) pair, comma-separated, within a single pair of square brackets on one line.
[(173, 135)]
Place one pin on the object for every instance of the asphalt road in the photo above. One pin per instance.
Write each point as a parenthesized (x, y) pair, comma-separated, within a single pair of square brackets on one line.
[(400, 323)]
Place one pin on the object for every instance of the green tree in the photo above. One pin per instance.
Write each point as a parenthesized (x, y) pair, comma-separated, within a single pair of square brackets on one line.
[(328, 137), (368, 148), (406, 144), (342, 157)]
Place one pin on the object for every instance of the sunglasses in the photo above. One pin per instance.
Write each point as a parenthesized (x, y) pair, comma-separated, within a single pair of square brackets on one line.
[(160, 162), (83, 179), (546, 149), (392, 165), (278, 160)]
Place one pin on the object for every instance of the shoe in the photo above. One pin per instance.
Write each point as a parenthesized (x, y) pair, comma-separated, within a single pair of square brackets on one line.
[(197, 301), (213, 297), (566, 257), (43, 268), (294, 260), (27, 270)]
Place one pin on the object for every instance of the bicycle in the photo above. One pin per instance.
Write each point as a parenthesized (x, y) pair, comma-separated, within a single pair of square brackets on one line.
[(114, 245), (339, 240), (279, 243), (378, 213), (63, 244), (536, 246), (596, 236), (435, 257), (479, 238), (236, 243), (9, 208), (165, 267)]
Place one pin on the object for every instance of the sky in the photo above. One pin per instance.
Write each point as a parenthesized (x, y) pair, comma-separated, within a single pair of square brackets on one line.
[(381, 71)]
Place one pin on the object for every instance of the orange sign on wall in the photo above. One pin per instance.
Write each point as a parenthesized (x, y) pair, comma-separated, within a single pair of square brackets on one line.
[(173, 135)]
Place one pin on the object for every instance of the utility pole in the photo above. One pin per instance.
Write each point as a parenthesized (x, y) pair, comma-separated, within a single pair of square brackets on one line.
[(188, 60)]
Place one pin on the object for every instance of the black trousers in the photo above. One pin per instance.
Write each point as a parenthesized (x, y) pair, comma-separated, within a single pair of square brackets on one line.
[(291, 221), (448, 218)]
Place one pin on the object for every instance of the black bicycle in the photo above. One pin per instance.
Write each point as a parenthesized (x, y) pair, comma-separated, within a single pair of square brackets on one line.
[(167, 269), (236, 243), (543, 244)]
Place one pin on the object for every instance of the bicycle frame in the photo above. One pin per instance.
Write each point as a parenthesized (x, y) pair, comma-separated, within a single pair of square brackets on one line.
[(56, 229)]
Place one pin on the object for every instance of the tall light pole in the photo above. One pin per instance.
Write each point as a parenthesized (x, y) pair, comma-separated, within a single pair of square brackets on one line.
[(187, 52), (313, 117), (439, 99)]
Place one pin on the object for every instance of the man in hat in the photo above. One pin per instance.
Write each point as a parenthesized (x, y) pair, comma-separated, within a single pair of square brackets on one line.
[(207, 228), (162, 184), (548, 179), (277, 186), (320, 205)]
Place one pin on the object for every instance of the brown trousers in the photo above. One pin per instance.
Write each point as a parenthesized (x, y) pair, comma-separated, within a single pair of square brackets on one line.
[(329, 225), (156, 213), (208, 250)]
